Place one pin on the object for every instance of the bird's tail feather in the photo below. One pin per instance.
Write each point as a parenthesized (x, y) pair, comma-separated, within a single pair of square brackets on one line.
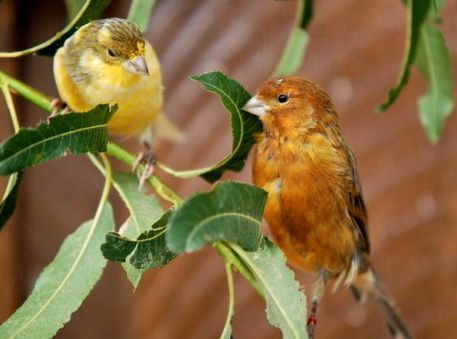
[(165, 129), (368, 284)]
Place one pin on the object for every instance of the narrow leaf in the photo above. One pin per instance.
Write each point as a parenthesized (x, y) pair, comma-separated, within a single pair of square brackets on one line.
[(140, 12), (8, 202), (148, 251), (292, 57), (91, 10), (244, 126), (74, 132), (417, 12), (64, 283), (73, 7), (230, 212), (433, 61), (144, 211), (286, 305), (434, 13)]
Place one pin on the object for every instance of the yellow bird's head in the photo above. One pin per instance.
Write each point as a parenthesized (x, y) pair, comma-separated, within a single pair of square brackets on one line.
[(113, 47)]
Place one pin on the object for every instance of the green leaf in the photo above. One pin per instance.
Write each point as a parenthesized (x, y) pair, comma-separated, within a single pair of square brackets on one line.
[(244, 126), (74, 132), (116, 247), (286, 305), (433, 61), (417, 13), (73, 7), (434, 13), (8, 202), (64, 283), (133, 274), (149, 250), (144, 211), (230, 212), (91, 10), (152, 250), (140, 12), (292, 57)]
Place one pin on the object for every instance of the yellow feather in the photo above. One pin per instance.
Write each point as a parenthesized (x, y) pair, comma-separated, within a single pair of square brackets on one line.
[(87, 77)]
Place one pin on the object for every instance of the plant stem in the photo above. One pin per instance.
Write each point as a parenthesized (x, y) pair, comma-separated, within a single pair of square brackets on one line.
[(229, 255), (106, 186), (31, 94), (10, 105), (13, 179), (74, 21), (226, 332), (127, 158)]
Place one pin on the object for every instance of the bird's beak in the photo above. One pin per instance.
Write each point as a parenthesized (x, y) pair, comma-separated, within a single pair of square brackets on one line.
[(137, 65), (255, 106)]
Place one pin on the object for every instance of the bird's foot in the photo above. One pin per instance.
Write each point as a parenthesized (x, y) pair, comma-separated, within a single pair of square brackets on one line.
[(58, 107), (147, 157), (311, 326), (312, 320)]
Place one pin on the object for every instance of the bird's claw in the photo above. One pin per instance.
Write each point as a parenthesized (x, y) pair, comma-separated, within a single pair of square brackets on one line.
[(58, 107), (149, 159), (312, 320), (311, 326)]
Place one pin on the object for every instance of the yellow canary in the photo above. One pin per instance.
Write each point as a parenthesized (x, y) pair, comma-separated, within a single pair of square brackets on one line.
[(108, 61)]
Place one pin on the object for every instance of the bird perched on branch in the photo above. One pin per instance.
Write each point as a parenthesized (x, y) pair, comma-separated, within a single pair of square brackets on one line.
[(108, 61), (315, 208)]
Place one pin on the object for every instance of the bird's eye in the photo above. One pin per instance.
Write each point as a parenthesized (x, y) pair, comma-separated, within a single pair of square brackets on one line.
[(282, 98), (110, 52)]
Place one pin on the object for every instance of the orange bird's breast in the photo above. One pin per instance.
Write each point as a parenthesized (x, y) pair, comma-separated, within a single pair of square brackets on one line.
[(306, 208)]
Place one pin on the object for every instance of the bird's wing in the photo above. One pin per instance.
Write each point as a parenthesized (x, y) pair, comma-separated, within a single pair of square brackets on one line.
[(356, 205)]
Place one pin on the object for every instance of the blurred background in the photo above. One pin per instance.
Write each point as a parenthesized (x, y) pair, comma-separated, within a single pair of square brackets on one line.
[(355, 53)]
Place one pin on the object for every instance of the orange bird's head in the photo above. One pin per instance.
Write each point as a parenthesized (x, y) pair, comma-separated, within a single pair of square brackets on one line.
[(291, 105)]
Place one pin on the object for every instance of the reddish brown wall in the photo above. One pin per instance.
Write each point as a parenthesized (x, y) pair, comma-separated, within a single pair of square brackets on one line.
[(355, 53)]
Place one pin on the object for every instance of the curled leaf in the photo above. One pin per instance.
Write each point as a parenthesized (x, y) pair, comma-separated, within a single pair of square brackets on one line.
[(244, 126), (231, 212), (417, 12), (8, 203), (148, 251)]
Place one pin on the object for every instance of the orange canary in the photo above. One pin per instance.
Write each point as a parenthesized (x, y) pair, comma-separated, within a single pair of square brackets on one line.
[(315, 208)]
